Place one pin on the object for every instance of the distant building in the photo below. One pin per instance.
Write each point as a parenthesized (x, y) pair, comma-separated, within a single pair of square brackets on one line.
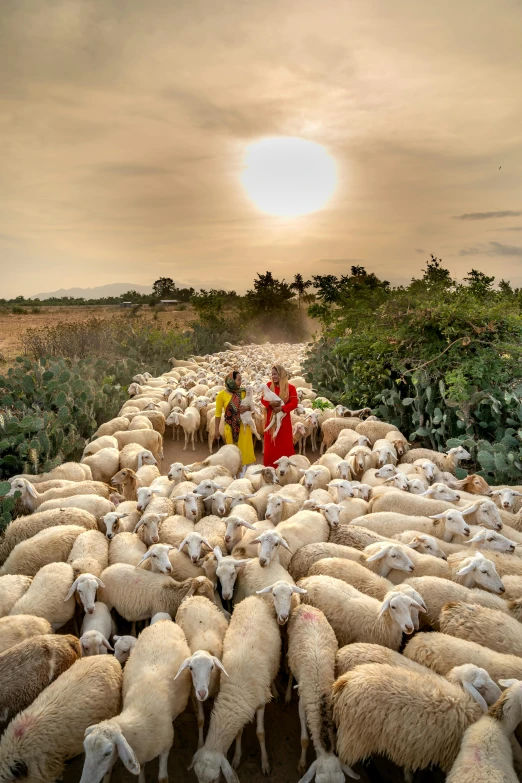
[(168, 301), (126, 304)]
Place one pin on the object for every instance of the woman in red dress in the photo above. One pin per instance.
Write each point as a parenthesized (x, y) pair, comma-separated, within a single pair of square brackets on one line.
[(283, 444)]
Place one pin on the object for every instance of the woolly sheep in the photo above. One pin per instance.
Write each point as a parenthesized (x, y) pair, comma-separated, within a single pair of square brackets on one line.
[(383, 453), (103, 463), (330, 430), (14, 630), (35, 744), (475, 571), (487, 627), (484, 513), (356, 536), (389, 523), (504, 563), (89, 553), (486, 749), (228, 457), (359, 653), (110, 427), (99, 619), (23, 528), (423, 543), (46, 596), (399, 442), (356, 617), (439, 710), (354, 574), (12, 587), (288, 470), (126, 548), (306, 556), (204, 627), (131, 454), (137, 594), (36, 663), (311, 655), (147, 439), (94, 642), (374, 430), (447, 462), (437, 592), (441, 653), (70, 471), (283, 504), (254, 579), (31, 499), (315, 477), (338, 467), (377, 477), (85, 586), (123, 647), (251, 654), (189, 421), (51, 545), (305, 527), (94, 504)]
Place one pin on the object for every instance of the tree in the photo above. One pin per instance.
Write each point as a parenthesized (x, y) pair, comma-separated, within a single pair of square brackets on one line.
[(299, 285), (163, 288), (269, 294), (479, 283)]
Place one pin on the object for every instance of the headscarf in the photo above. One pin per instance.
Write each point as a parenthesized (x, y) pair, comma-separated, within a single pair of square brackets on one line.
[(283, 382), (232, 415)]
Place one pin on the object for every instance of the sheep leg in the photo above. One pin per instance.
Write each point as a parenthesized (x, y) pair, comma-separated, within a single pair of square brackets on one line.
[(163, 775), (408, 775), (260, 731), (107, 777), (200, 714), (288, 693), (133, 629), (279, 422), (141, 778), (304, 739), (237, 753), (186, 440)]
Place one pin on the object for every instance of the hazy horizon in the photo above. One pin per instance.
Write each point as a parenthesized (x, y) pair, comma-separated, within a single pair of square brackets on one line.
[(125, 128)]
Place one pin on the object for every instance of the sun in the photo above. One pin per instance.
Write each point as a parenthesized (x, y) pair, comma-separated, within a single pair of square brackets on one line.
[(288, 176)]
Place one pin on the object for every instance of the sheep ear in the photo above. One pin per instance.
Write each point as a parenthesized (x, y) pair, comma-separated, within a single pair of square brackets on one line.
[(498, 491), (265, 590), (184, 665), (309, 774), (31, 489), (244, 523), (465, 569), (127, 754), (107, 645), (476, 538), (206, 542), (180, 547), (475, 695), (218, 554), (100, 583), (508, 683), (377, 556), (427, 492), (469, 510), (384, 608), (414, 543), (284, 543), (121, 514), (145, 557), (299, 590), (140, 523), (438, 516), (218, 663), (228, 773), (286, 500), (72, 589)]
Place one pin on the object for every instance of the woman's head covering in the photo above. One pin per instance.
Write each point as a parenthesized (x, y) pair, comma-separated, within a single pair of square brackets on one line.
[(232, 415), (230, 381), (283, 382)]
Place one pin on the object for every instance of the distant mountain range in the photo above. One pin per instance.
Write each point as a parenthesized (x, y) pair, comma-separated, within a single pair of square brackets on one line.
[(98, 292)]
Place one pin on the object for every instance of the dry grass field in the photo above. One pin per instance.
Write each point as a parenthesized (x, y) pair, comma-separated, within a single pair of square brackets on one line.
[(13, 325)]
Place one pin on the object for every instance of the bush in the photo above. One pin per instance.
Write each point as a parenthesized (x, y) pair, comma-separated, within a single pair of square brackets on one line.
[(17, 310), (440, 360)]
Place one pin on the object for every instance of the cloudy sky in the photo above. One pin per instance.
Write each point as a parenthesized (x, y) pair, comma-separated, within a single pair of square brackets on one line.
[(124, 126)]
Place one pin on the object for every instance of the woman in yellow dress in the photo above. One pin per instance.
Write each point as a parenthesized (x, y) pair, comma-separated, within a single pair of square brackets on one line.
[(229, 401)]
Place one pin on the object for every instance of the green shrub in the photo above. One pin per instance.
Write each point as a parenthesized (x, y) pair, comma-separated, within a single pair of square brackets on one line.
[(17, 310)]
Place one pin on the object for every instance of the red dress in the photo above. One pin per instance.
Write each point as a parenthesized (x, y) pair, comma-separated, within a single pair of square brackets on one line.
[(283, 446)]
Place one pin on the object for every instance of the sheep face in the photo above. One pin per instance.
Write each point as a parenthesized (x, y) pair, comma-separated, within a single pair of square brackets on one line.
[(439, 491), (477, 683), (274, 507), (86, 586), (328, 769), (399, 481), (282, 593), (226, 572), (427, 545), (387, 471), (459, 454), (194, 543), (103, 744), (506, 497), (362, 491), (150, 525), (123, 477), (94, 643), (112, 523), (428, 468), (209, 764), (454, 523), (159, 558), (238, 498), (488, 516), (190, 505), (201, 665), (343, 470), (232, 530), (283, 466), (482, 572), (123, 646), (331, 511), (218, 503), (344, 488), (206, 488), (399, 606), (269, 541), (146, 457), (391, 557), (310, 478), (489, 539), (176, 472), (144, 495), (416, 486), (28, 492)]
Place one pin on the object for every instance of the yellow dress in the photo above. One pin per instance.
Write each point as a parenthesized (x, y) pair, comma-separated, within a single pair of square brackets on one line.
[(244, 442)]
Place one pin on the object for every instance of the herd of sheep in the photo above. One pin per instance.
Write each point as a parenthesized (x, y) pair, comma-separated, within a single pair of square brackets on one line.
[(359, 569)]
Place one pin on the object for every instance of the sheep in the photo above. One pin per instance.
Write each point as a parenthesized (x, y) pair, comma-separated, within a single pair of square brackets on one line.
[(111, 426), (316, 477), (441, 652), (103, 464), (31, 499), (437, 592), (506, 498), (89, 553), (376, 477), (486, 750), (204, 627), (104, 442), (446, 462), (311, 655), (355, 536), (472, 484), (445, 525), (338, 467), (305, 527), (354, 574), (487, 627), (285, 503), (70, 471), (35, 745), (127, 482), (46, 596), (147, 439), (97, 628), (398, 441), (123, 647), (137, 594), (259, 476), (189, 421), (126, 548), (359, 653), (251, 653), (288, 470), (383, 453), (225, 571), (259, 501), (38, 661), (94, 504), (423, 543), (438, 709), (374, 430), (228, 457), (134, 453), (139, 422), (356, 617), (48, 546), (12, 587), (330, 430), (124, 520), (475, 571), (148, 475), (14, 630), (85, 585), (256, 579), (484, 513), (306, 556)]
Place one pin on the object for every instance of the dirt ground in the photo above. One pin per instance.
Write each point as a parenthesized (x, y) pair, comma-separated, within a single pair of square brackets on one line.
[(12, 326)]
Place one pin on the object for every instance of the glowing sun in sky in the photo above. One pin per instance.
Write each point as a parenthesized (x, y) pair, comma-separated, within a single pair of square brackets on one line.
[(288, 176)]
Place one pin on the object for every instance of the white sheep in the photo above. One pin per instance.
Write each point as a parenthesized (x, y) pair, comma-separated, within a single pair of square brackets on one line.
[(46, 596), (489, 627), (123, 647), (189, 421), (94, 504), (383, 453), (284, 503), (126, 548), (48, 546), (31, 499), (104, 463), (86, 586), (475, 571), (151, 702), (277, 418), (147, 439), (89, 553), (16, 629), (251, 654), (12, 587)]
